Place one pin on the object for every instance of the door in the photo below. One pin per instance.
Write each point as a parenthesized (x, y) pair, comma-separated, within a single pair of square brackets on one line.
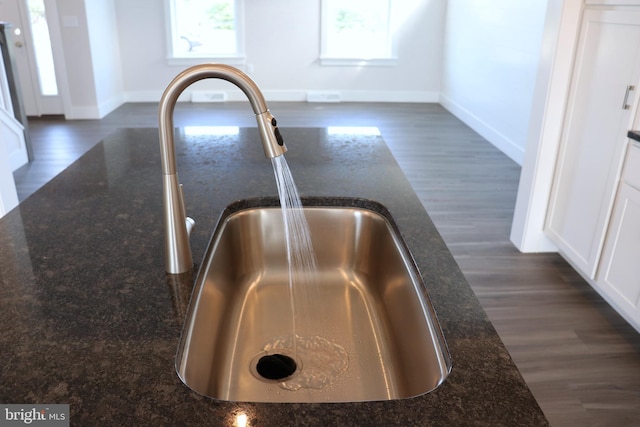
[(603, 95), (34, 53)]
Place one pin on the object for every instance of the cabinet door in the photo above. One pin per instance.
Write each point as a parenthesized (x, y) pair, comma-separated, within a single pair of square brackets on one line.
[(594, 136), (619, 277)]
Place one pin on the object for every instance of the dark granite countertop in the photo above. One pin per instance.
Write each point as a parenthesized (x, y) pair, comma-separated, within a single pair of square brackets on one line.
[(89, 317), (634, 134)]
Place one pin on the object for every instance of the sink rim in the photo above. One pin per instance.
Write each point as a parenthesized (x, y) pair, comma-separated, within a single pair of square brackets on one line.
[(375, 207)]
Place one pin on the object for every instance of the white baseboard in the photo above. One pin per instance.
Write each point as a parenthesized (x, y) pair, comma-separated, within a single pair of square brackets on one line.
[(83, 113), (417, 96), (92, 112), (301, 96), (323, 96), (501, 142), (111, 104), (149, 96)]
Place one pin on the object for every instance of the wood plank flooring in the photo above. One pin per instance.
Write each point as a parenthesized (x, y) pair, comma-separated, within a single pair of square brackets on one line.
[(580, 359)]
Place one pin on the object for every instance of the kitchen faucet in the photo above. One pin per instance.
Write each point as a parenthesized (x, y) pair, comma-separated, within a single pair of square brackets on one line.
[(177, 226)]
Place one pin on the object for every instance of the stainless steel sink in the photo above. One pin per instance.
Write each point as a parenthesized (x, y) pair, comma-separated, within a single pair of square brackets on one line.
[(365, 329)]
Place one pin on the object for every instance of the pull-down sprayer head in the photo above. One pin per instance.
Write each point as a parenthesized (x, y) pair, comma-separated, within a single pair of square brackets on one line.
[(272, 141)]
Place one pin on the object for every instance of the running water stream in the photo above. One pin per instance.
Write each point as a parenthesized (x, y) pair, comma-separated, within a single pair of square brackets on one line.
[(300, 254), (323, 360)]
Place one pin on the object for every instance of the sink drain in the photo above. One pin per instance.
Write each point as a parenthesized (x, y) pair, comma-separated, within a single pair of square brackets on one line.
[(271, 366), (276, 366)]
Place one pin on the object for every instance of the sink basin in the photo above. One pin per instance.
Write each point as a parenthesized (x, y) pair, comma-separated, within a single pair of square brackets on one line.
[(364, 327)]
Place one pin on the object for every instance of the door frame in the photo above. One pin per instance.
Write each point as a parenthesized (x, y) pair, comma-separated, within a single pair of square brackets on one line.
[(55, 35)]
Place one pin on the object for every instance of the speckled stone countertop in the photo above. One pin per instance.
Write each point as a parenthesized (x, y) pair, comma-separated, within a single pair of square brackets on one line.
[(89, 317)]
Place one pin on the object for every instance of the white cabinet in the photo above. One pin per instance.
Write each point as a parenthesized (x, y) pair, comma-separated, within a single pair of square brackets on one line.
[(604, 88), (619, 273)]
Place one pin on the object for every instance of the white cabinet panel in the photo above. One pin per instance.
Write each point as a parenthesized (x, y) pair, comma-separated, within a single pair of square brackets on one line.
[(594, 136), (619, 277), (632, 166)]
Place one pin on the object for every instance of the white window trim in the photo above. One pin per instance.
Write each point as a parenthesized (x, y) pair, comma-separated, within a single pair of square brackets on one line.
[(332, 61), (238, 59)]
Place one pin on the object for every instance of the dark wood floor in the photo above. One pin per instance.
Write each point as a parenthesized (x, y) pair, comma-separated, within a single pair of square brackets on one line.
[(580, 359)]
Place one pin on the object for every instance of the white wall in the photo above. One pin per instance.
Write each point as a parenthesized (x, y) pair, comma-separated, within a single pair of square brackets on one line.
[(91, 56), (491, 56), (77, 58), (282, 45), (105, 54)]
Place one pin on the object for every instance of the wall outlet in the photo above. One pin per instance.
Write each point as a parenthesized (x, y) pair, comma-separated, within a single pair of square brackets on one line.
[(323, 96), (208, 96)]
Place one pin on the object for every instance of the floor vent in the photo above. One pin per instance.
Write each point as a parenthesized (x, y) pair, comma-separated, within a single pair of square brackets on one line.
[(323, 96), (208, 96)]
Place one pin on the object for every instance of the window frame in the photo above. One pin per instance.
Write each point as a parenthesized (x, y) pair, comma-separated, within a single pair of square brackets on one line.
[(327, 59), (238, 58)]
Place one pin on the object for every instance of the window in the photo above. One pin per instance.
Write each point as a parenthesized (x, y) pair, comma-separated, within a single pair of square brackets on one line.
[(205, 29), (356, 32)]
